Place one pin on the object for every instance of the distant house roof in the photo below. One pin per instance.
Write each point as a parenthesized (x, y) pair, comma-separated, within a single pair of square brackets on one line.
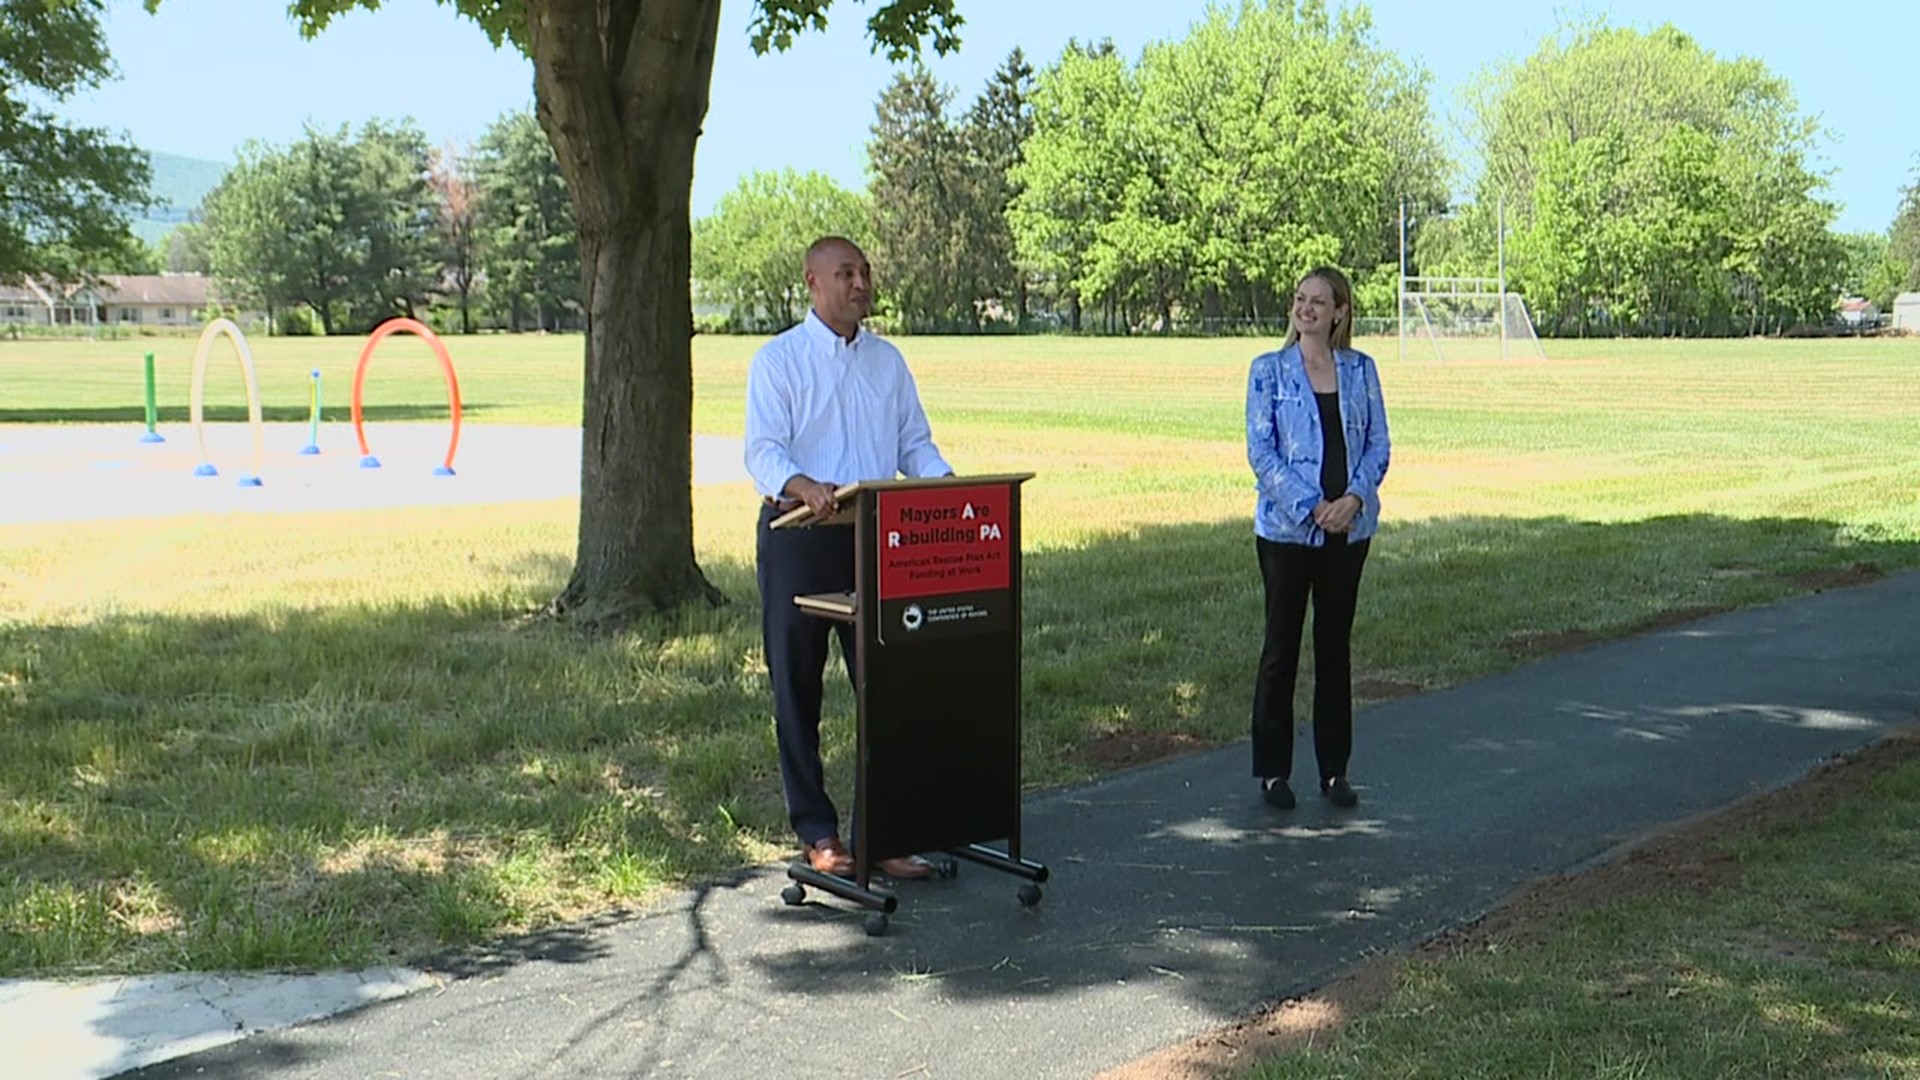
[(1857, 304), (163, 290), (1907, 298), (182, 290)]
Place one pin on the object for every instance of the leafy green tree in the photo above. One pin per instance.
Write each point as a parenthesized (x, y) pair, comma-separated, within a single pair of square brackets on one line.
[(456, 215), (184, 250), (250, 249), (1683, 206), (343, 226), (996, 130), (529, 245), (925, 221), (65, 192), (1274, 136), (393, 213), (1901, 270), (1863, 255), (1073, 169), (747, 252), (326, 213), (621, 89), (1289, 139)]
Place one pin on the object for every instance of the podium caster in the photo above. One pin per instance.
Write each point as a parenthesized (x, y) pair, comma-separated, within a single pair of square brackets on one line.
[(1030, 895), (875, 924), (794, 894)]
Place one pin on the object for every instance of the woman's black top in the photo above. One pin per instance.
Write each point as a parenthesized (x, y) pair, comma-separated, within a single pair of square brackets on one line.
[(1333, 450)]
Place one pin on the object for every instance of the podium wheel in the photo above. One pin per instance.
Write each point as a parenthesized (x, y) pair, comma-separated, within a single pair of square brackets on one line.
[(794, 894), (875, 924), (1030, 895)]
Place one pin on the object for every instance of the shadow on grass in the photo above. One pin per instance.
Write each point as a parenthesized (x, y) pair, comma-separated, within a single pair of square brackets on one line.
[(230, 414), (342, 786)]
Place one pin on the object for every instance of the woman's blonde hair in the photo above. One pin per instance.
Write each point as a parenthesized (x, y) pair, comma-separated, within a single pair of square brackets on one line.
[(1342, 336)]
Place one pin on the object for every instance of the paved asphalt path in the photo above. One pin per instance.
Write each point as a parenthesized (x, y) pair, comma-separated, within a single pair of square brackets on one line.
[(1179, 901)]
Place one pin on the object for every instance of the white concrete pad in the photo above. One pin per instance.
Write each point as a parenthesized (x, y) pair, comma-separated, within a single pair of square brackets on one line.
[(101, 472), (85, 1028)]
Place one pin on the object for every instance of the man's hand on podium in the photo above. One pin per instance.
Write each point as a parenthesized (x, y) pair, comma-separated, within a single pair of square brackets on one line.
[(819, 497)]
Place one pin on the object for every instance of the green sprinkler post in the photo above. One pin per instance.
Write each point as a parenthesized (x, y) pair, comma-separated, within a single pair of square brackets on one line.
[(153, 411)]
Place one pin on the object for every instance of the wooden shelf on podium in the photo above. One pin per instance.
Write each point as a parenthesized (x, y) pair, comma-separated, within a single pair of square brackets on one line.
[(833, 605)]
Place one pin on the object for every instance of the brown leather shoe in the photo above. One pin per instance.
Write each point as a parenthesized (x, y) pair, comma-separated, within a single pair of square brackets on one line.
[(830, 856), (905, 868)]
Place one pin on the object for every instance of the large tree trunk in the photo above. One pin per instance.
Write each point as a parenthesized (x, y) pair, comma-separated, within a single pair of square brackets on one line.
[(621, 88)]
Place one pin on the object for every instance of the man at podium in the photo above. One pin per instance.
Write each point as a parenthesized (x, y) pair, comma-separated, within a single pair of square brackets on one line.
[(828, 404)]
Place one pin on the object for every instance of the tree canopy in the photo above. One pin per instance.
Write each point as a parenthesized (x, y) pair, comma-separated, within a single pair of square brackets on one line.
[(1687, 205), (65, 191), (1200, 182), (746, 254), (345, 226)]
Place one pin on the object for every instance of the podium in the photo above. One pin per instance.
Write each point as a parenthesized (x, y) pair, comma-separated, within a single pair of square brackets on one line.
[(936, 613)]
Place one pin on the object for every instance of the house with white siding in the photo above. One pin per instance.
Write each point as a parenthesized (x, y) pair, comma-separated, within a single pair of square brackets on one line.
[(156, 301)]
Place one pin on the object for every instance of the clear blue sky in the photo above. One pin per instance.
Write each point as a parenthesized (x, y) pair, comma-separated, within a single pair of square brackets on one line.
[(203, 76)]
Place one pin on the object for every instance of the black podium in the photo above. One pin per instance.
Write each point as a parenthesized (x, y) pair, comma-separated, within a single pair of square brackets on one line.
[(937, 677)]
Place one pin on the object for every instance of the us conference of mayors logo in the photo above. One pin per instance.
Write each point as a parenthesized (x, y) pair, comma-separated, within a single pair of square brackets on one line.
[(913, 618)]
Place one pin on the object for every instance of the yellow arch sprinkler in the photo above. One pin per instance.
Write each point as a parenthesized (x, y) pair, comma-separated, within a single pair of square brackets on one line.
[(214, 329)]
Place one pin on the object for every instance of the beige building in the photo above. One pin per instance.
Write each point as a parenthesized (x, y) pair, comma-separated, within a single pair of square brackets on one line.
[(157, 301), (1906, 312)]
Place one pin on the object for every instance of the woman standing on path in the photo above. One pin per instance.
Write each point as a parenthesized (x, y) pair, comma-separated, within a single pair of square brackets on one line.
[(1317, 443)]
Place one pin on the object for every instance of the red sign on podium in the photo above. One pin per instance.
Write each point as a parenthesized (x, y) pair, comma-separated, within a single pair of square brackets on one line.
[(950, 543)]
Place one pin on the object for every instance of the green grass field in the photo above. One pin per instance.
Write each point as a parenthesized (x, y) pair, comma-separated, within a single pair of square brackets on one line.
[(332, 739)]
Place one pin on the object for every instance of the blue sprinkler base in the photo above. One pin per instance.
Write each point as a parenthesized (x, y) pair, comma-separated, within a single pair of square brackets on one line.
[(369, 462), (249, 481), (205, 469), (442, 470), (309, 450), (153, 437)]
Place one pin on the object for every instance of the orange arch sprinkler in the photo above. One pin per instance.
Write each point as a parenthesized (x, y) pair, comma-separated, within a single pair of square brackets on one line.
[(381, 333)]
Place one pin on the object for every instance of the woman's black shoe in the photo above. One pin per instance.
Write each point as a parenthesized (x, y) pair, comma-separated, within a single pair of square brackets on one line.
[(1277, 793), (1339, 792)]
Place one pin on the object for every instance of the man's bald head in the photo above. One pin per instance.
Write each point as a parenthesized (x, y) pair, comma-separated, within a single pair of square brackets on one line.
[(831, 248), (841, 283)]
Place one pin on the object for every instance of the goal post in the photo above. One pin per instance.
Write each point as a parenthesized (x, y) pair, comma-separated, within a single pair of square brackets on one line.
[(1460, 318), (1467, 316)]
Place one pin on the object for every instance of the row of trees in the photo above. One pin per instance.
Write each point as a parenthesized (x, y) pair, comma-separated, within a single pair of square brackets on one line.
[(1191, 186), (1187, 188), (1647, 187), (358, 228)]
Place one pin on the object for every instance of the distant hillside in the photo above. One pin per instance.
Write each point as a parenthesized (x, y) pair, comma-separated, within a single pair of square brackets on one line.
[(179, 183)]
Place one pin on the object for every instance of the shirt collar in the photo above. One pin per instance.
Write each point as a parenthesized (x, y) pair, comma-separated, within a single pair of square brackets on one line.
[(826, 335)]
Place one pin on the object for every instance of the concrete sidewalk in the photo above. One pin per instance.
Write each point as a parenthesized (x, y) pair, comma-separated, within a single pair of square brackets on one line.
[(102, 1027), (1179, 901), (95, 472)]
